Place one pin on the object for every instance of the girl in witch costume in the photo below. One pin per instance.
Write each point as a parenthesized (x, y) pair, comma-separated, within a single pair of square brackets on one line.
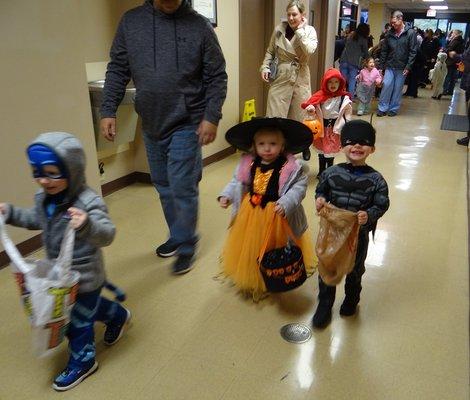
[(332, 105), (267, 188)]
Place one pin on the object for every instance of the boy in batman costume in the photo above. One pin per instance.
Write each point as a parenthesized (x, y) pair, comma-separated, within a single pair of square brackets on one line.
[(357, 187)]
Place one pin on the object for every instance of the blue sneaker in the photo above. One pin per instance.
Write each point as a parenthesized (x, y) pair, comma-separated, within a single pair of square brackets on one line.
[(71, 377), (114, 331), (183, 264), (167, 249)]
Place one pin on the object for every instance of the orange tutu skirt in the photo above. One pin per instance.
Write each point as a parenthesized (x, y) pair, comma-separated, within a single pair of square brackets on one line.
[(244, 241)]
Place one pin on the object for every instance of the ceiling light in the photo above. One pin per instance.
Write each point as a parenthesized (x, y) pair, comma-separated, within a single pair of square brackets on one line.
[(438, 7), (432, 1)]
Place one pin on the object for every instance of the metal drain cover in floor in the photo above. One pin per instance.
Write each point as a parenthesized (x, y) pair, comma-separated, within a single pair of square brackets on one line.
[(296, 333)]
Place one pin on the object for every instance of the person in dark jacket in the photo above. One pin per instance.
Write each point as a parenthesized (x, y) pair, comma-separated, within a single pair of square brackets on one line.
[(414, 77), (396, 60), (429, 48), (357, 187), (457, 45), (174, 58), (464, 85), (354, 53)]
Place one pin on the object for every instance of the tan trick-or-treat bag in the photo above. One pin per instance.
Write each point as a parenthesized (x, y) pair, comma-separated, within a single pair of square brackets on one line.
[(336, 243), (48, 290)]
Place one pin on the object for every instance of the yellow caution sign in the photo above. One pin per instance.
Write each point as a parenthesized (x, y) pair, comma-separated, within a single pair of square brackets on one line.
[(249, 111)]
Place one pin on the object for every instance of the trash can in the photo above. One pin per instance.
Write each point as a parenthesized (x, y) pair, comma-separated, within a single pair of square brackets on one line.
[(126, 117)]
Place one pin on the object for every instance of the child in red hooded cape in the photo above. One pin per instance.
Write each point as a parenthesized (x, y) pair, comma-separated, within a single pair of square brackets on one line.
[(332, 106)]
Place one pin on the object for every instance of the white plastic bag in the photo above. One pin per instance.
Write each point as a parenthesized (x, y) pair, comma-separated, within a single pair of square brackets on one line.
[(48, 291)]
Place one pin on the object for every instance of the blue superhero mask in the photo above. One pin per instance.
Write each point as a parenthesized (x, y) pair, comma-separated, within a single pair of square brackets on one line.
[(39, 156)]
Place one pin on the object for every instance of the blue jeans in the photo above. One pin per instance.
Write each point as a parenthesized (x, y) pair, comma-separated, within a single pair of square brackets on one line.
[(349, 72), (390, 96), (176, 168), (451, 78), (89, 307)]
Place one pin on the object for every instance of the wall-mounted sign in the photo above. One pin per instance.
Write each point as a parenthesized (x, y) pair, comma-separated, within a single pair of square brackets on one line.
[(208, 8), (430, 13)]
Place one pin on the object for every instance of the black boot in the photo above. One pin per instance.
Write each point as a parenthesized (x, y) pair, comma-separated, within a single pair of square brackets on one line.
[(306, 154), (326, 298), (353, 295), (463, 141), (349, 306), (321, 164)]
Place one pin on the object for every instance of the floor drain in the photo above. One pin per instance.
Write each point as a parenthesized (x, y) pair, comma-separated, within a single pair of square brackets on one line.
[(296, 333)]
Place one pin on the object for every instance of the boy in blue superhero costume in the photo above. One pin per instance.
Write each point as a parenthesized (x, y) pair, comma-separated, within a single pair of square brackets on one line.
[(58, 165)]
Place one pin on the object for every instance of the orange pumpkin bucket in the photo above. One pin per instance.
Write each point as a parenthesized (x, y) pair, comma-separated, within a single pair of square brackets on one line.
[(315, 126)]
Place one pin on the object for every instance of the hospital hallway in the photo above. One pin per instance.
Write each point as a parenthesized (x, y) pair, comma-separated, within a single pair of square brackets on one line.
[(194, 337)]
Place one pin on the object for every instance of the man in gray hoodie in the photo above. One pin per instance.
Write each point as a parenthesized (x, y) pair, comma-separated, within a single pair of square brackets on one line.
[(174, 58)]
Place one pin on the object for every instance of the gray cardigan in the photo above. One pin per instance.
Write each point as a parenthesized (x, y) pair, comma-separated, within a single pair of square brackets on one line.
[(292, 189), (355, 51), (97, 232)]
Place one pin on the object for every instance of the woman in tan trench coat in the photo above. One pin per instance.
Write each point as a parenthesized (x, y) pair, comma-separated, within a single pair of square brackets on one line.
[(292, 42)]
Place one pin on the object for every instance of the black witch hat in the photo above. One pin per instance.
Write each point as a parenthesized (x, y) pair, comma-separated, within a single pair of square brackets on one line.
[(298, 136)]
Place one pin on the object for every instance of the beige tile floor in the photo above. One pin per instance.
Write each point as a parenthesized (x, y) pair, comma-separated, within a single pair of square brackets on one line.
[(193, 337)]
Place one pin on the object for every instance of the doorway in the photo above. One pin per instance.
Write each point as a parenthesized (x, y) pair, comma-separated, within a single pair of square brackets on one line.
[(256, 26), (318, 18)]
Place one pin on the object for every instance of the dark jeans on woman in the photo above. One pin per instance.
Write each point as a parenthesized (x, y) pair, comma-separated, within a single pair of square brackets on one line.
[(349, 72), (451, 77)]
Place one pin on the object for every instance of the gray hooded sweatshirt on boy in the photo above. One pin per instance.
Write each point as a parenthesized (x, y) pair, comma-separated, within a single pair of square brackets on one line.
[(97, 232), (177, 66)]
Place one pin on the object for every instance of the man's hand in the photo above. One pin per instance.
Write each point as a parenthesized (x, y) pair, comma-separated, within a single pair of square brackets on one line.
[(108, 128), (224, 201), (452, 54), (265, 76), (207, 132), (362, 217), (77, 217), (3, 208), (319, 203)]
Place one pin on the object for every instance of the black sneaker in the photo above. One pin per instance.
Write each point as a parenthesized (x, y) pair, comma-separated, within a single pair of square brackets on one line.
[(348, 308), (183, 264), (392, 114), (167, 249), (114, 332), (380, 113), (71, 377), (463, 141), (322, 316)]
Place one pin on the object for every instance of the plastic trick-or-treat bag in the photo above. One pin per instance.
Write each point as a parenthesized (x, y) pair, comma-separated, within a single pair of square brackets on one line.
[(48, 290), (336, 243)]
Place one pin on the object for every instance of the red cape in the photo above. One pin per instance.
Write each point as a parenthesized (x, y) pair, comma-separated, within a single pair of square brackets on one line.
[(324, 94)]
